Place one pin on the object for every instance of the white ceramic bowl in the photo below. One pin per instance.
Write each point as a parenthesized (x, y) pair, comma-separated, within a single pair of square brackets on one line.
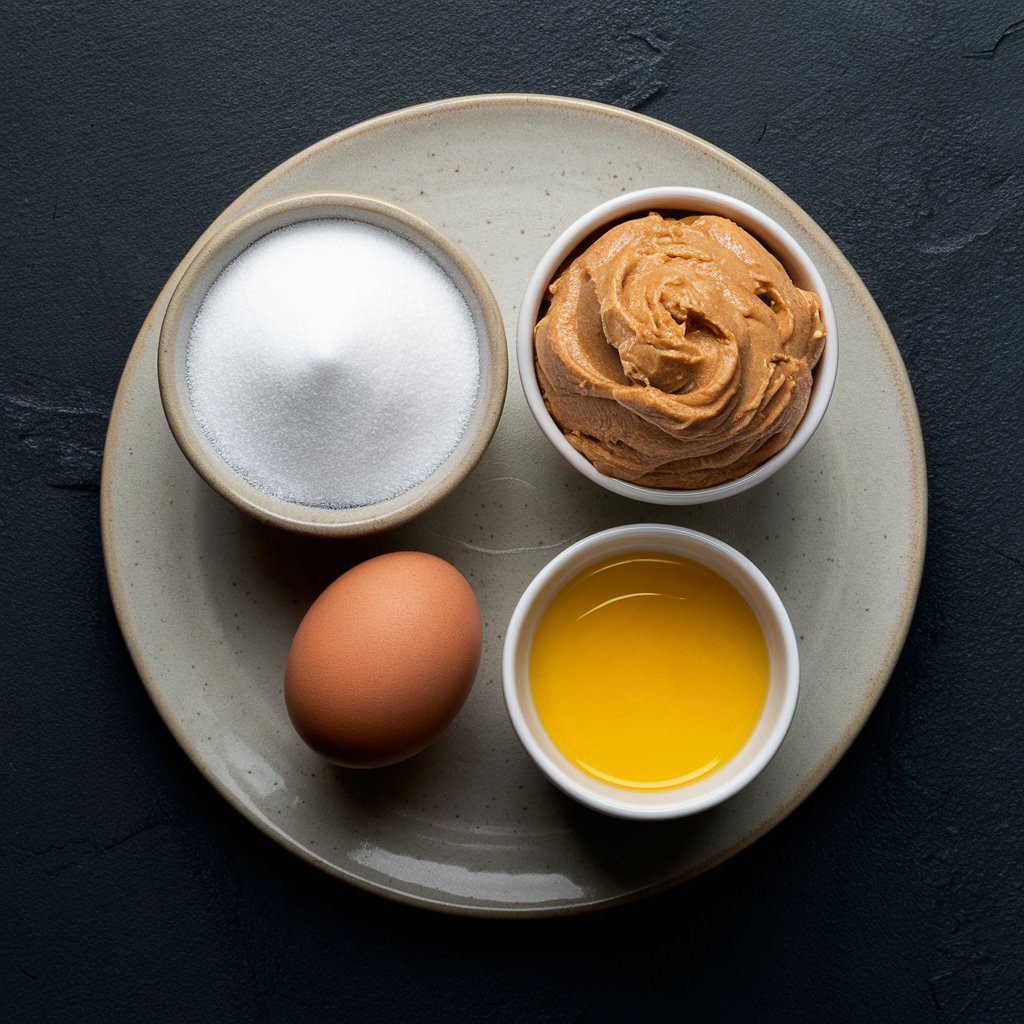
[(184, 305), (771, 728), (683, 201)]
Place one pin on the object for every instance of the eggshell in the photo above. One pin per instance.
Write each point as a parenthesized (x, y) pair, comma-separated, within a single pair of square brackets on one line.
[(384, 659)]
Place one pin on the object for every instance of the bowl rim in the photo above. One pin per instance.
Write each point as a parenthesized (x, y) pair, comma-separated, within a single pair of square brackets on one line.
[(232, 239), (560, 570), (772, 235)]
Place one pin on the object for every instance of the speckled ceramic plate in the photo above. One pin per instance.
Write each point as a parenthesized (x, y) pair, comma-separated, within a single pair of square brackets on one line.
[(208, 599)]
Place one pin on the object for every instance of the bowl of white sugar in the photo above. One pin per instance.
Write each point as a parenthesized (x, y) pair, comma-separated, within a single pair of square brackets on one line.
[(332, 364)]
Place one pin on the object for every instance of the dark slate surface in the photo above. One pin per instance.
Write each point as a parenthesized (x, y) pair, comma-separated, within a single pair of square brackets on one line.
[(131, 892)]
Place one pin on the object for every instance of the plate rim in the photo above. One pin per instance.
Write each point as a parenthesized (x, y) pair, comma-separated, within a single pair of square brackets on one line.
[(917, 479)]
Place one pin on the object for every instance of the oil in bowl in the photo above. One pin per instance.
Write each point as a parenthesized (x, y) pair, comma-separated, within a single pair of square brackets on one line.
[(650, 671)]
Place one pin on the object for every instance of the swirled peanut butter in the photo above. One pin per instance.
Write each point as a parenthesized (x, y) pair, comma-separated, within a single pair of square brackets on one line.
[(677, 353)]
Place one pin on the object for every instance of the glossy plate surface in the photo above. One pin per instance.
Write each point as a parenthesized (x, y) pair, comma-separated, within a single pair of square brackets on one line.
[(208, 599)]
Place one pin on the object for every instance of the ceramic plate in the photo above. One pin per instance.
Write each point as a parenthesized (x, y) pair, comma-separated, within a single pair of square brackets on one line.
[(208, 599)]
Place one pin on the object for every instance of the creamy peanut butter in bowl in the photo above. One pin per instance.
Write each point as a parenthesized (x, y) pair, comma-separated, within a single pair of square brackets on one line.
[(677, 345)]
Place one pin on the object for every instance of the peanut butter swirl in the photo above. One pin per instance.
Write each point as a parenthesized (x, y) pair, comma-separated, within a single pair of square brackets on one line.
[(677, 353)]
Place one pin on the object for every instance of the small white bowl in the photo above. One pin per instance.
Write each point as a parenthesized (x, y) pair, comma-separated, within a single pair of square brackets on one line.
[(683, 201), (723, 782)]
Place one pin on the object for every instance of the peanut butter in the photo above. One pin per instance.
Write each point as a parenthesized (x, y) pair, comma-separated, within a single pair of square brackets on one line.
[(677, 353)]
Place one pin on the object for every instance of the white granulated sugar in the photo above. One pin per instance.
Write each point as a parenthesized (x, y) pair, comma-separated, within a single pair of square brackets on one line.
[(333, 364)]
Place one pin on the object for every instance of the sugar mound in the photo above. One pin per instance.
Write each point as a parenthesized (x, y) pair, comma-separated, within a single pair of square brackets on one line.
[(333, 364)]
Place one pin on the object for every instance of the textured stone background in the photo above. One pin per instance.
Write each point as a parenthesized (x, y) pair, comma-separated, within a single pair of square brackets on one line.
[(131, 892)]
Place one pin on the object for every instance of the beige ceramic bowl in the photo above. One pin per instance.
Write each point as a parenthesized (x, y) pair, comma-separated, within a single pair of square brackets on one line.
[(681, 201), (187, 299)]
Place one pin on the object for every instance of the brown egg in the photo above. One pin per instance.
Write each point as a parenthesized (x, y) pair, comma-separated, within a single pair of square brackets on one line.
[(383, 659)]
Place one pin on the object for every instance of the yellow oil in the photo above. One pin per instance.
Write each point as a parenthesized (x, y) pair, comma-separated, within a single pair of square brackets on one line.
[(649, 671)]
